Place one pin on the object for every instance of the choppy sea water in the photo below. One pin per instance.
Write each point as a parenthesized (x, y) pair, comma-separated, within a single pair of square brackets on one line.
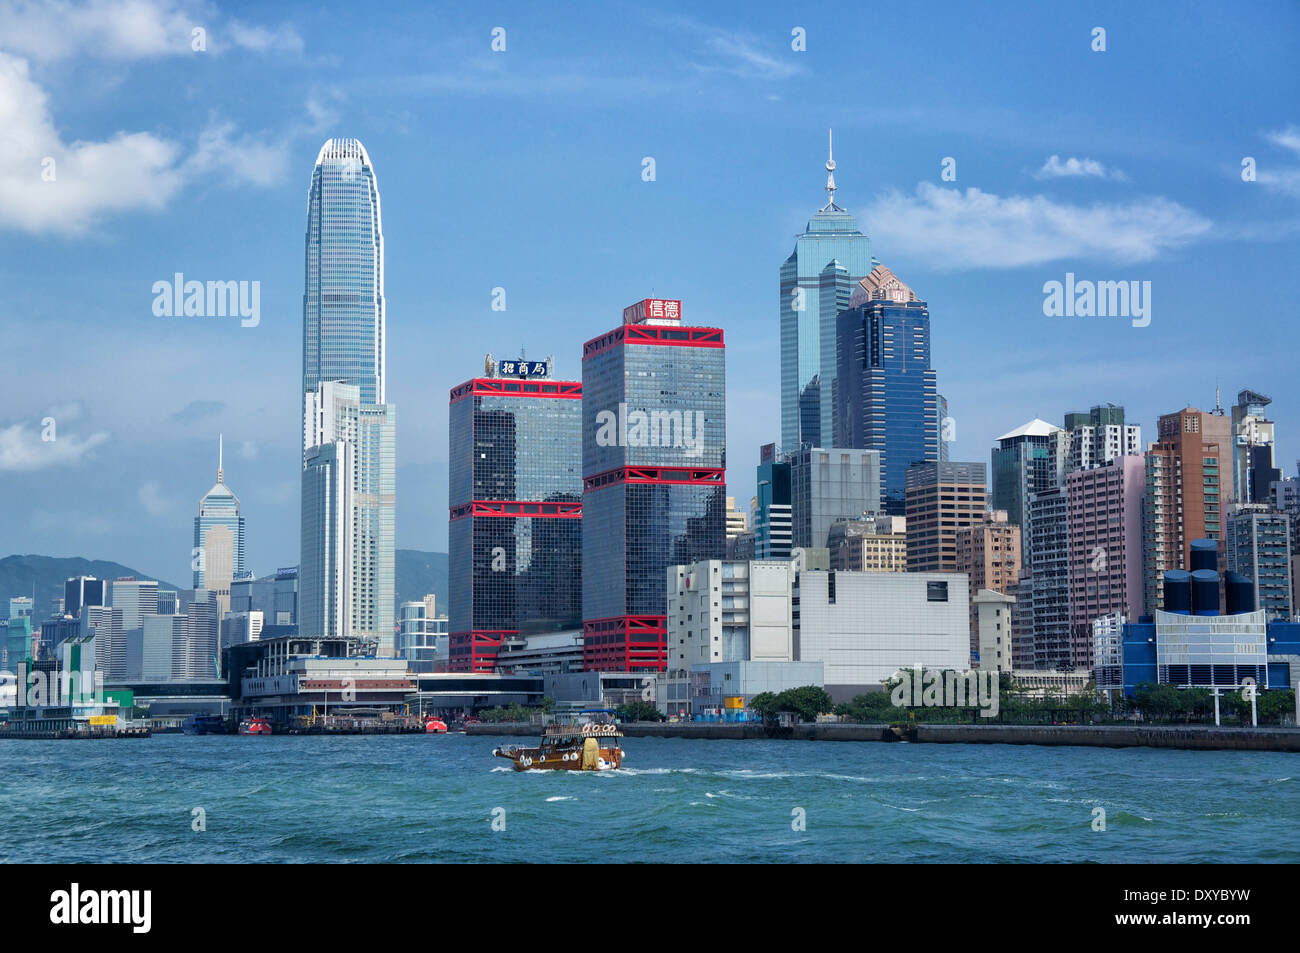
[(436, 798)]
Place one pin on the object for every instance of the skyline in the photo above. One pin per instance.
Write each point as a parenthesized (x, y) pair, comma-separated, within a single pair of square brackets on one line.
[(506, 201)]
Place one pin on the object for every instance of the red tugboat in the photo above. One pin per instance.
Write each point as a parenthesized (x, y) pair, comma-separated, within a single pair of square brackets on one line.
[(255, 725), (435, 726), (589, 743)]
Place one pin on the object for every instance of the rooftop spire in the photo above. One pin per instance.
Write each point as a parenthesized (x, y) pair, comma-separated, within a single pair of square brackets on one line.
[(830, 173), (221, 476)]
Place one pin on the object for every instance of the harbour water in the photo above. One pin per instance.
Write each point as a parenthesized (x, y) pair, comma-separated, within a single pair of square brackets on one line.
[(446, 799)]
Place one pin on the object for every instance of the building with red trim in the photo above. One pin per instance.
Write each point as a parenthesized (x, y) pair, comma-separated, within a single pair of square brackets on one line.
[(654, 476), (515, 510)]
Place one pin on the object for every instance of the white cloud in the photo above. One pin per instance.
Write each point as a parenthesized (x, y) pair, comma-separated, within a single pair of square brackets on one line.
[(974, 229), (1284, 179), (54, 30), (48, 185), (1056, 168), (22, 448), (151, 498), (740, 54)]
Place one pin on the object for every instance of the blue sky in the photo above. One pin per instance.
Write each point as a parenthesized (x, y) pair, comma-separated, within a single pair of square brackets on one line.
[(522, 169)]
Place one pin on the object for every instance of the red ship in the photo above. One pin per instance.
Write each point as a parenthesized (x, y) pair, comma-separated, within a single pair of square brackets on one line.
[(256, 725)]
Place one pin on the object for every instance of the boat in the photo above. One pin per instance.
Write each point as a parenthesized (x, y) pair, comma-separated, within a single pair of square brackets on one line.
[(589, 742), (435, 726), (200, 724), (256, 725)]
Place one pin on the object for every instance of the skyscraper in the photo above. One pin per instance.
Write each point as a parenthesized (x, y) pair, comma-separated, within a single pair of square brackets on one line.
[(348, 525), (1027, 460), (885, 389), (343, 319), (989, 552), (1099, 436), (773, 533), (831, 253), (515, 497), (1188, 484), (654, 476), (1258, 547), (347, 573), (831, 484), (218, 555), (1252, 447), (941, 499)]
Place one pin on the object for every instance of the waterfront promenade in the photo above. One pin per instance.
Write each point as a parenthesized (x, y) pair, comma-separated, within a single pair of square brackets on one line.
[(1091, 736)]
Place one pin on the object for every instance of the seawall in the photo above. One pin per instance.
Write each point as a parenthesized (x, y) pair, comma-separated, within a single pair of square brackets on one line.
[(1088, 736)]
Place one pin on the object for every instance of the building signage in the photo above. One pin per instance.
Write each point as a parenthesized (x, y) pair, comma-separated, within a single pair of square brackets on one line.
[(522, 368), (657, 308)]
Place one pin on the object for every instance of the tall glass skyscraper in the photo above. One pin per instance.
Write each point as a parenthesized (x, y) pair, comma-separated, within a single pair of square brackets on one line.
[(347, 573), (654, 463), (828, 257), (218, 555), (885, 392), (515, 497), (343, 321)]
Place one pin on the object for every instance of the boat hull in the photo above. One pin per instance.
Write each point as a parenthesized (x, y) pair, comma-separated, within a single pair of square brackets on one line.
[(561, 759)]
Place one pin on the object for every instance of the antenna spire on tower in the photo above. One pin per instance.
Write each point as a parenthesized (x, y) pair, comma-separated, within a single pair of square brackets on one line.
[(221, 476), (830, 173)]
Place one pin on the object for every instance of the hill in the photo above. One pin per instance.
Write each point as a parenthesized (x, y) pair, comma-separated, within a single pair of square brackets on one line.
[(18, 575), (419, 572)]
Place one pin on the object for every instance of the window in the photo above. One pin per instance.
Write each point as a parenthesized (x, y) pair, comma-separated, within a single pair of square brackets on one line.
[(936, 592)]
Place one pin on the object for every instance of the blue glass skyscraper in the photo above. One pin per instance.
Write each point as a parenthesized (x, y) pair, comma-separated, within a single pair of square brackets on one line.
[(885, 394), (831, 250), (347, 577), (343, 321)]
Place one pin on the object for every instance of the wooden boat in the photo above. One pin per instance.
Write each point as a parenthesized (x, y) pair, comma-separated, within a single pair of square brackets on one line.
[(588, 743)]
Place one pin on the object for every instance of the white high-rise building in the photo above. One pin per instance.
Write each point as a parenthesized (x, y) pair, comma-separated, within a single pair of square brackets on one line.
[(347, 572)]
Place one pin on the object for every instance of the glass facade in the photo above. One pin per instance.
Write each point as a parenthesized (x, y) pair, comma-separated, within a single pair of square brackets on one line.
[(831, 251), (886, 396), (348, 590), (515, 494), (654, 459), (343, 299)]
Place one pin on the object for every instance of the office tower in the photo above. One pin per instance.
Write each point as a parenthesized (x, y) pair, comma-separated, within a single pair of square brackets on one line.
[(163, 640), (353, 484), (885, 388), (1259, 548), (1047, 533), (989, 552), (515, 496), (348, 580), (1188, 482), (869, 544), (1100, 436), (654, 476), (830, 484), (737, 520), (81, 591), (947, 427), (198, 656), (831, 251), (327, 566), (136, 598), (1028, 460), (773, 537), (940, 499), (218, 555), (285, 593), (168, 602), (1104, 526), (104, 625), (20, 607), (343, 317), (1252, 447)]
